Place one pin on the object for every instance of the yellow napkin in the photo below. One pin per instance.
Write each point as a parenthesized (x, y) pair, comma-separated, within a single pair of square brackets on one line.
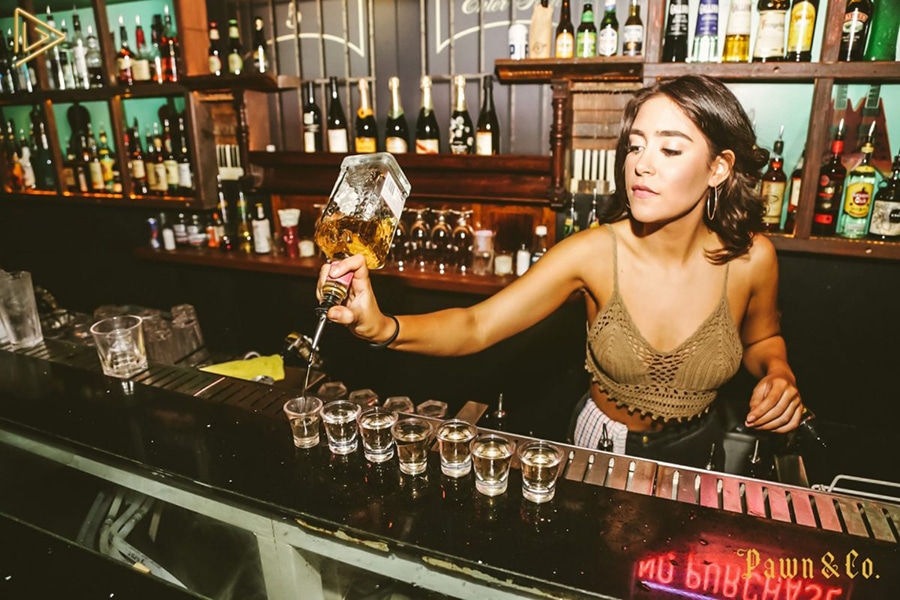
[(273, 366)]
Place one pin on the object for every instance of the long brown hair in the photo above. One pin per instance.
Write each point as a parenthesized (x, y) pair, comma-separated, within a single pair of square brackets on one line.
[(714, 109)]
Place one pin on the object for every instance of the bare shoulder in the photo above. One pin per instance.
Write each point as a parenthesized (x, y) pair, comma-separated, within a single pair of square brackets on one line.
[(586, 256), (760, 264)]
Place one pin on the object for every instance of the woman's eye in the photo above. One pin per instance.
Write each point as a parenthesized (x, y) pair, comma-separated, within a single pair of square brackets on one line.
[(670, 152), (634, 148)]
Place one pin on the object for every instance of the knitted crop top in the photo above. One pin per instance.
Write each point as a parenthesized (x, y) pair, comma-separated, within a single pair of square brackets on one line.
[(680, 384)]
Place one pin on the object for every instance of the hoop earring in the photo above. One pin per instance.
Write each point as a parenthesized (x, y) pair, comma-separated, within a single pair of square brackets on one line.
[(711, 212)]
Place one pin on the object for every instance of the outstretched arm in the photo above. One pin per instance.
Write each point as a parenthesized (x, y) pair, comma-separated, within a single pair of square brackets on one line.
[(775, 404)]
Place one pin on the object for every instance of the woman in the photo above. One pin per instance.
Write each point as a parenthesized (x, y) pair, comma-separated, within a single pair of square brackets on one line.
[(679, 289)]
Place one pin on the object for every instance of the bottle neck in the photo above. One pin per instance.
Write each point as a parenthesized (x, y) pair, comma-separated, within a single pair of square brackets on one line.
[(396, 106), (459, 104), (427, 102), (837, 148), (365, 108)]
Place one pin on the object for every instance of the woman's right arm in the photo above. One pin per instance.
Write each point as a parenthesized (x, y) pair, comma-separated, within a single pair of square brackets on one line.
[(459, 331)]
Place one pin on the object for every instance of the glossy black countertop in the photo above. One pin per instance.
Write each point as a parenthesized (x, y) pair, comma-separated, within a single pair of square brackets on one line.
[(590, 541)]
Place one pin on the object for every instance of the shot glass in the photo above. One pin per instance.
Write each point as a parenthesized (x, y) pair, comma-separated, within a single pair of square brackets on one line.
[(540, 468), (491, 456), (339, 418), (432, 408), (375, 430), (304, 414), (399, 404), (120, 345), (365, 398), (411, 437), (454, 437), (332, 390)]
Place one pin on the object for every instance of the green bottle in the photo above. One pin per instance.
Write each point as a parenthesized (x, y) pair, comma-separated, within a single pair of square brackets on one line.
[(856, 209)]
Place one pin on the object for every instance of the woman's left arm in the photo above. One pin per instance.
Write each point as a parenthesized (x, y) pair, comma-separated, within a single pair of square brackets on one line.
[(775, 404)]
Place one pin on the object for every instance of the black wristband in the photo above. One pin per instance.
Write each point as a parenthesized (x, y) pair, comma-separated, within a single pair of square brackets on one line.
[(390, 340)]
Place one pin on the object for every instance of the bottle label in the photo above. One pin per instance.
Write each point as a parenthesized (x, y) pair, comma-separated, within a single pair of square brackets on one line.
[(770, 37), (140, 69), (106, 167), (137, 169), (80, 63), (171, 173), (162, 182), (396, 145), (309, 121), (97, 177), (235, 63), (392, 196), (365, 145), (885, 218), (854, 22), (309, 140), (124, 64), (484, 143), (679, 13), (337, 140), (632, 40), (565, 45), (795, 192), (262, 236), (773, 195), (858, 199), (427, 146), (215, 64), (68, 178), (739, 18), (803, 23), (708, 19), (607, 42), (586, 44), (185, 177), (151, 176)]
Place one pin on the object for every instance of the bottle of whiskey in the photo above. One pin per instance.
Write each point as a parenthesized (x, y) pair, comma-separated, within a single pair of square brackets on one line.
[(487, 138), (138, 166), (586, 36), (737, 33), (565, 33), (396, 130), (428, 136), (125, 57), (633, 32), (853, 221), (706, 34), (774, 183), (141, 63), (462, 131), (675, 45), (830, 188), (800, 30), (366, 128), (312, 120), (885, 224), (171, 53), (770, 32), (608, 35)]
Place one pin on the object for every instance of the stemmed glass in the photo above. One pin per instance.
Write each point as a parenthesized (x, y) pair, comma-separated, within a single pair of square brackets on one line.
[(419, 236), (441, 242), (462, 241)]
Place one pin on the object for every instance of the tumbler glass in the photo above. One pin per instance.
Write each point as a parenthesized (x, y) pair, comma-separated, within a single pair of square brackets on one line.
[(375, 430), (491, 454), (454, 437), (339, 418), (540, 468), (304, 414), (411, 437)]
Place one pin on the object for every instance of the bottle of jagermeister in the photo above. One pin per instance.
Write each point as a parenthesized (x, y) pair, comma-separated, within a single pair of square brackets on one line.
[(885, 224), (773, 185), (853, 221), (831, 186)]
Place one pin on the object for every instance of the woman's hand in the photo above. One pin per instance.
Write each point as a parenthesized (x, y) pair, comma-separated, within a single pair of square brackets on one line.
[(360, 312), (775, 404)]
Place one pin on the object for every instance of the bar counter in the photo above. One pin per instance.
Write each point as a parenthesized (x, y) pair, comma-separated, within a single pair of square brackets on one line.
[(223, 448)]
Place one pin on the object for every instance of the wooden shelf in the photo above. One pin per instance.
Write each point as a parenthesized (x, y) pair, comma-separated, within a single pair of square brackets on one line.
[(482, 285), (112, 200), (778, 71), (545, 70), (835, 246), (260, 82)]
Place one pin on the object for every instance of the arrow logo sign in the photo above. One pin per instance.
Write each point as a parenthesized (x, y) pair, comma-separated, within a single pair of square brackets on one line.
[(48, 37)]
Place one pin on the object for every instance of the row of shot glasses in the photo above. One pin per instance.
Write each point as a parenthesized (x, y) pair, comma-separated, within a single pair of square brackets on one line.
[(463, 449)]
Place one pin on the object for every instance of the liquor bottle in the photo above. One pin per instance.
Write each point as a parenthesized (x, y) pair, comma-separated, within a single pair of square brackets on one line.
[(487, 138), (885, 223), (150, 162), (78, 47), (154, 55), (245, 235), (706, 34), (262, 232), (570, 222), (737, 33), (608, 35), (66, 59), (7, 73), (338, 136), (829, 192), (462, 132), (770, 31), (171, 53), (312, 121), (68, 167), (773, 186), (55, 75), (92, 157), (138, 168), (160, 167), (540, 34), (428, 137), (540, 243), (42, 157), (633, 32), (365, 126), (16, 179), (793, 203), (107, 160), (675, 44), (593, 218), (259, 56), (227, 237), (93, 60), (125, 56), (171, 162), (856, 209), (235, 52), (26, 76), (28, 179), (565, 33), (215, 54), (855, 29), (882, 42), (141, 63), (801, 26), (396, 130), (586, 36), (180, 227), (185, 174)]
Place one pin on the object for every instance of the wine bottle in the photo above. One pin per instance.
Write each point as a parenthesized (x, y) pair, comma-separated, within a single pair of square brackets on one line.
[(108, 165), (42, 157), (853, 221), (802, 25), (487, 138), (396, 131), (565, 33), (338, 137), (830, 188), (462, 132), (706, 34), (608, 35), (170, 49), (633, 32), (171, 162), (586, 36), (885, 224), (215, 53), (365, 127), (312, 121), (737, 33), (260, 55), (675, 45), (141, 63), (137, 164), (262, 231), (855, 30), (125, 56), (770, 31), (78, 48), (235, 52), (428, 137), (185, 172)]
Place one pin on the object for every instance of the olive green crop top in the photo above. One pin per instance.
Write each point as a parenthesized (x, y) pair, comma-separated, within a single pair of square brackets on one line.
[(680, 384)]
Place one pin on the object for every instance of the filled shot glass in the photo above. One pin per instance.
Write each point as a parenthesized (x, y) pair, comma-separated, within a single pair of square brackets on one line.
[(540, 468), (454, 437), (303, 413), (411, 437), (375, 430), (339, 418), (491, 456)]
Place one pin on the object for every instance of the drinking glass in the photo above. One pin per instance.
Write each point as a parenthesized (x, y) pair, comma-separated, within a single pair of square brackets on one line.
[(419, 235), (454, 437), (491, 454), (482, 252), (540, 468), (332, 390), (411, 437), (339, 418), (304, 415), (462, 242), (375, 430), (18, 310), (366, 398), (441, 242), (120, 345), (399, 404)]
